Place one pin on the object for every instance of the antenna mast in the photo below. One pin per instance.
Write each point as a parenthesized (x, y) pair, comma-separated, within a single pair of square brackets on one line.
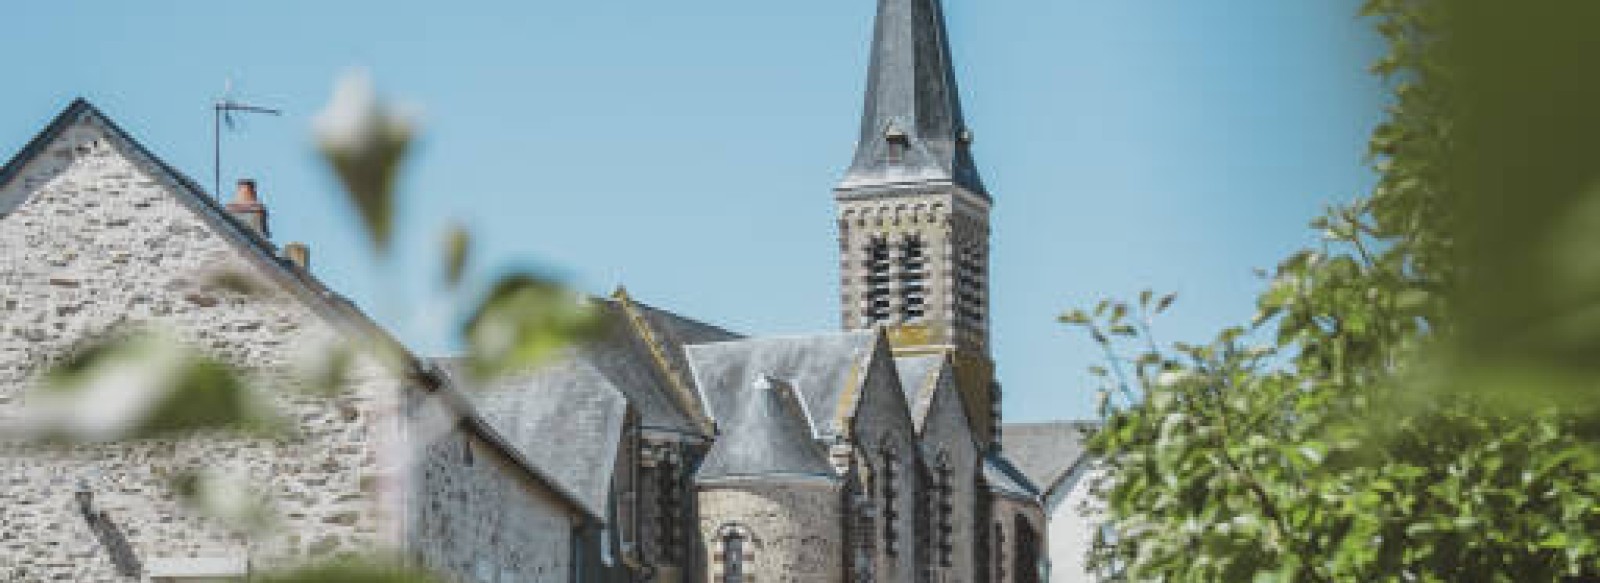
[(222, 113)]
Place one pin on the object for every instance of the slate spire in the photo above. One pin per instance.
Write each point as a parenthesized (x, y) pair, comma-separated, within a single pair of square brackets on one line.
[(912, 131)]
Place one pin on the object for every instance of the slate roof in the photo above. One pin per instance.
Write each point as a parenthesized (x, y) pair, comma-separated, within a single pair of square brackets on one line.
[(683, 330), (919, 378), (912, 97), (1005, 479), (1045, 452), (767, 436), (565, 417), (626, 361), (820, 368)]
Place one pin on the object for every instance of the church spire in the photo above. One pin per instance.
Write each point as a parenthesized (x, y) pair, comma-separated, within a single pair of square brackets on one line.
[(913, 214), (912, 131)]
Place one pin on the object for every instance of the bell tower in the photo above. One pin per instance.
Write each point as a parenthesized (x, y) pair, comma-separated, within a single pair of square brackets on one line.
[(913, 212)]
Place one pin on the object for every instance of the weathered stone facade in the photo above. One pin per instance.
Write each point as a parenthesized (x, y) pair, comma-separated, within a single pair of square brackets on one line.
[(951, 496), (794, 530), (475, 515), (92, 239), (890, 459), (96, 235)]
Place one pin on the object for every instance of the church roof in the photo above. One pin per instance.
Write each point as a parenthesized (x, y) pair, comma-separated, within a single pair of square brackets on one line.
[(655, 341), (767, 436), (919, 378), (1005, 479), (1045, 452), (912, 104), (566, 417), (820, 368), (629, 364)]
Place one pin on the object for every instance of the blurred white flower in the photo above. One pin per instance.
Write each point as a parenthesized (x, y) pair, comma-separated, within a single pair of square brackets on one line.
[(355, 119), (364, 139)]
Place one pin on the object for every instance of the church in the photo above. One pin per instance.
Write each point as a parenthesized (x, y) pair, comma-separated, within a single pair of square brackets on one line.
[(667, 450)]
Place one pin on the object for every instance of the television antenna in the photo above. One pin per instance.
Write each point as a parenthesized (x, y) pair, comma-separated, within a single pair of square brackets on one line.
[(222, 114)]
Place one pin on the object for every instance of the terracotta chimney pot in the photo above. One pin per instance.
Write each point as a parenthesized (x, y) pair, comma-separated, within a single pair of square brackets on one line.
[(247, 208)]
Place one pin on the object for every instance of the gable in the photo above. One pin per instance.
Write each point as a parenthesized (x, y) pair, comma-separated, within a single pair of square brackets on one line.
[(98, 177), (95, 231), (945, 415), (879, 398)]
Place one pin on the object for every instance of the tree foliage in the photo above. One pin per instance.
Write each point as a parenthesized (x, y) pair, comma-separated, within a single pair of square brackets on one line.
[(1416, 399)]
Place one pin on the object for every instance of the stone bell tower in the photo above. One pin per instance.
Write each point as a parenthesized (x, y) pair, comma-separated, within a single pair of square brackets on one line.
[(913, 212)]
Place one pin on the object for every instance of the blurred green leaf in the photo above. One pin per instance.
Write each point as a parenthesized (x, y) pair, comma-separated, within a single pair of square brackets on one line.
[(143, 386), (525, 321), (233, 500), (457, 248), (365, 139)]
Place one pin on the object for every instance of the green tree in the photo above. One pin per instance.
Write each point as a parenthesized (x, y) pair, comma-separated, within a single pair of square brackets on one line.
[(1416, 399)]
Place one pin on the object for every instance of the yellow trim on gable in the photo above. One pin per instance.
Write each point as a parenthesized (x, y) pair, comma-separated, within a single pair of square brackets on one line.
[(685, 394)]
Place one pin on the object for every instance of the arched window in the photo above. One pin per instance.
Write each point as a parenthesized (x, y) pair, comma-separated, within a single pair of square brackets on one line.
[(735, 553)]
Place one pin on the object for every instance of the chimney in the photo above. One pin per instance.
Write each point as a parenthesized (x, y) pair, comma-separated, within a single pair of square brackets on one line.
[(299, 254), (247, 208)]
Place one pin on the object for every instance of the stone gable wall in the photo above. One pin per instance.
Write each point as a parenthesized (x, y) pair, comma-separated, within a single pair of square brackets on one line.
[(946, 430), (91, 237), (797, 528), (884, 420)]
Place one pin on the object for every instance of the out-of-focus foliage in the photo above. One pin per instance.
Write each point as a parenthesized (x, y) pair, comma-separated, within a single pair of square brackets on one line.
[(228, 498), (1416, 400), (524, 321), (457, 250), (141, 386), (365, 139)]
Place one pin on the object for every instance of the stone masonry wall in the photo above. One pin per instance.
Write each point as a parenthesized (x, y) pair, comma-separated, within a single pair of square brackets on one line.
[(797, 527), (92, 236), (946, 431), (883, 424), (476, 515)]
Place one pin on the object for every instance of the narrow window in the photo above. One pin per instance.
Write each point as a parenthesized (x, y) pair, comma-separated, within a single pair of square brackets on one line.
[(913, 278), (944, 489), (733, 548), (999, 547), (878, 281), (735, 554), (891, 501)]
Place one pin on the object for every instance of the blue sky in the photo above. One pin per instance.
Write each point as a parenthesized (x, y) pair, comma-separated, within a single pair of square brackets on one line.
[(688, 149)]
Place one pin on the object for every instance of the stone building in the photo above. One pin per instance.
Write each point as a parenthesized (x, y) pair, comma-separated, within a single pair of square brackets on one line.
[(96, 234), (666, 450)]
